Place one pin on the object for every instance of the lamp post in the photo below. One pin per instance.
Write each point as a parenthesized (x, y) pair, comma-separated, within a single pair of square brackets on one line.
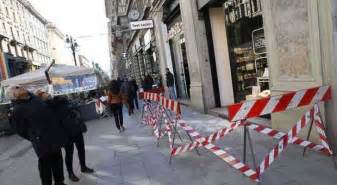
[(73, 46)]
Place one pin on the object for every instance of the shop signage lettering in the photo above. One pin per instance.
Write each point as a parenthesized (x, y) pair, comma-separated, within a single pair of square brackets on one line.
[(139, 25)]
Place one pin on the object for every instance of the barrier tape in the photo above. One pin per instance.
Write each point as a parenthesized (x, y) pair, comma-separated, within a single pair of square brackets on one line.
[(238, 114), (321, 129), (201, 141), (232, 161), (290, 138), (205, 142), (278, 135)]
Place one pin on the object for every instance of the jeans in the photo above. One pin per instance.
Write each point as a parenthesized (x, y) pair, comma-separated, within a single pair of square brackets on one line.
[(51, 166), (172, 92), (69, 148), (117, 111)]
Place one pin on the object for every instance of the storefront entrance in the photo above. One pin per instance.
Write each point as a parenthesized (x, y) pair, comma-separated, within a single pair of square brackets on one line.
[(180, 66), (247, 49)]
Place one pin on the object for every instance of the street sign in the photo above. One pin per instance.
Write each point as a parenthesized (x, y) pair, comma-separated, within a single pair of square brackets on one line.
[(139, 25)]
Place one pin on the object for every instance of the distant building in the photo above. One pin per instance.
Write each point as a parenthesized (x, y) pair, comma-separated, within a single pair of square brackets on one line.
[(116, 12), (57, 46), (23, 38)]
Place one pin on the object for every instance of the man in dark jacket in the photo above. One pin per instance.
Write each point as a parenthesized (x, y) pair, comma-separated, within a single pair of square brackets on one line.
[(74, 127), (148, 83), (134, 93), (170, 84), (35, 121)]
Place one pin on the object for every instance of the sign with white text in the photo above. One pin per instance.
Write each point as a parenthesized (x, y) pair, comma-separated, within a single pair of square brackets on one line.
[(139, 25)]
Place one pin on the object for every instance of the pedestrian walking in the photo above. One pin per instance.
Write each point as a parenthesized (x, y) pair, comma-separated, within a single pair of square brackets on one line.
[(126, 91), (148, 83), (170, 84), (115, 101), (135, 93), (119, 82), (36, 122)]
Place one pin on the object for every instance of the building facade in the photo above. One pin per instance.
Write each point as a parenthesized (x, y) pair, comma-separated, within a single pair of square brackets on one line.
[(23, 38), (227, 51), (116, 13), (58, 50)]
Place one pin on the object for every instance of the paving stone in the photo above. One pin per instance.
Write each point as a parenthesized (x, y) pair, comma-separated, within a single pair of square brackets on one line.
[(133, 158)]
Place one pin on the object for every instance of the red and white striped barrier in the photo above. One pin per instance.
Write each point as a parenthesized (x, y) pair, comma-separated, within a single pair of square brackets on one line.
[(291, 137), (155, 112), (279, 103), (200, 141), (171, 105), (313, 96), (240, 112), (278, 135), (207, 143), (151, 96)]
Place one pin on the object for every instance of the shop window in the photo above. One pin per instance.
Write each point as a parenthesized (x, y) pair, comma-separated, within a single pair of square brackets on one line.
[(247, 50)]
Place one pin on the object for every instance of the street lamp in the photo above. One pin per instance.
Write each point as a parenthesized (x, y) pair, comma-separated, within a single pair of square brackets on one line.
[(73, 46)]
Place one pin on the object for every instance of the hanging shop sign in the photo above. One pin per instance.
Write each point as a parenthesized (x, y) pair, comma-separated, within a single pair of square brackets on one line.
[(139, 25), (259, 41), (176, 29)]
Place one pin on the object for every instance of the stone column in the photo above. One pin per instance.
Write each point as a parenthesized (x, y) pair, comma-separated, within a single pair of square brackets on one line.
[(221, 50), (202, 93), (162, 45), (328, 35), (294, 53)]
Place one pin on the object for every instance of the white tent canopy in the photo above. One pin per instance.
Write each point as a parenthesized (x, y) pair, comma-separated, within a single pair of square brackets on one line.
[(38, 77)]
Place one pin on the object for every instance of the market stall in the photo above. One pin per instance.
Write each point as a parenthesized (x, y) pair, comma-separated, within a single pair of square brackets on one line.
[(64, 79), (75, 82)]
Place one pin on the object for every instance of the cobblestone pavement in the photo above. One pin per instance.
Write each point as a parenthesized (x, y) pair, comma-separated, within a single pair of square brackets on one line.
[(133, 158)]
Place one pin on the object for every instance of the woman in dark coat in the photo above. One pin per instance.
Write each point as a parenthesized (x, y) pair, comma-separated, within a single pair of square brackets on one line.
[(74, 127), (36, 122)]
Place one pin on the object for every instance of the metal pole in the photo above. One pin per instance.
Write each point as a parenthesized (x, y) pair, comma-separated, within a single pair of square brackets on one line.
[(159, 129), (196, 148), (251, 148), (73, 48), (333, 156), (245, 144), (74, 55), (173, 140), (176, 122), (308, 136)]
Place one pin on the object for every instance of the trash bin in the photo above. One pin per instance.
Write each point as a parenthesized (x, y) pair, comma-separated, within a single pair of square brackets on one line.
[(88, 111)]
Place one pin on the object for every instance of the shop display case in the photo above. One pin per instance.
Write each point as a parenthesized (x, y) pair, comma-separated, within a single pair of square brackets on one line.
[(249, 67)]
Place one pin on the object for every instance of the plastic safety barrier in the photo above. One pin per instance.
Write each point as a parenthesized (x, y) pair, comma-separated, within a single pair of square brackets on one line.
[(238, 115)]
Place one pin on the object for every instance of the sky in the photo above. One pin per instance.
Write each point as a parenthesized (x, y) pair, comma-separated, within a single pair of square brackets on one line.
[(80, 18)]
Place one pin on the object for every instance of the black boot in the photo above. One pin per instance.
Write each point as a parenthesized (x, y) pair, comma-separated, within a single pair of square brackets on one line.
[(73, 177), (87, 170)]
